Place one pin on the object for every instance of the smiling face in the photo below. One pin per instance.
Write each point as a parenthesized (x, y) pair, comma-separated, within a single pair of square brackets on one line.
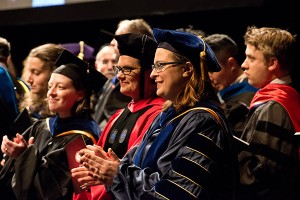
[(37, 76), (129, 84), (62, 95), (172, 78)]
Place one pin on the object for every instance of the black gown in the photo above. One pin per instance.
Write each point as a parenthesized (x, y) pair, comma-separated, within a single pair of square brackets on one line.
[(42, 171), (110, 100)]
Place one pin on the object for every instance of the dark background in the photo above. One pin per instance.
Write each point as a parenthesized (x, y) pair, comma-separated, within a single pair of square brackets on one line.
[(28, 28)]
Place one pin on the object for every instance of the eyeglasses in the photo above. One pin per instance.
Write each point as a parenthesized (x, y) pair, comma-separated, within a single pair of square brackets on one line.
[(126, 70), (159, 66)]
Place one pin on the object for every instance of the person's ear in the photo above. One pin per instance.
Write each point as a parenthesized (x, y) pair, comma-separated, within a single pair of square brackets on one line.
[(80, 95), (273, 64), (231, 61), (188, 69)]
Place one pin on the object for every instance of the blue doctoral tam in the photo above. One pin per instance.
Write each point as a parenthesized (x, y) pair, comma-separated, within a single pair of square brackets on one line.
[(187, 45)]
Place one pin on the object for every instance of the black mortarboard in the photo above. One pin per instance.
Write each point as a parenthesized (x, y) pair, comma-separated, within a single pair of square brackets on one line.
[(188, 45), (79, 71), (141, 47)]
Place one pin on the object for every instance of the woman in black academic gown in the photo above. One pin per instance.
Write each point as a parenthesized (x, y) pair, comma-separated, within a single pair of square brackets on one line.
[(37, 165)]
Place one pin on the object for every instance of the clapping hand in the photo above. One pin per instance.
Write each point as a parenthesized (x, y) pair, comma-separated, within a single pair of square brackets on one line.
[(16, 147), (102, 166)]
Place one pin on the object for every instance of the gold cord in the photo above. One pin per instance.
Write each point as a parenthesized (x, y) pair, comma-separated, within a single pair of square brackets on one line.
[(78, 132)]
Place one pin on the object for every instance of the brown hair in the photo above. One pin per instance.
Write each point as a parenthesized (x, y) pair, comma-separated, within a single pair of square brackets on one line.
[(194, 91), (4, 50), (48, 53)]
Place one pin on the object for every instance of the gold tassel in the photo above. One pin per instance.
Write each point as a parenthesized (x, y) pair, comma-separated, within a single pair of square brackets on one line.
[(81, 45), (86, 105), (203, 60), (202, 63)]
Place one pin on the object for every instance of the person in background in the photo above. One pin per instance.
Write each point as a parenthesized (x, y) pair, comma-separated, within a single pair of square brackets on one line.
[(192, 30), (269, 164), (127, 126), (111, 99), (106, 58), (187, 151), (37, 167), (12, 89), (38, 66), (8, 99), (137, 25), (231, 83)]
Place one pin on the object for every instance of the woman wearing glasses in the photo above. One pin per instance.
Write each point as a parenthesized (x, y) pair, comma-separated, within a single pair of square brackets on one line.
[(127, 126), (186, 153)]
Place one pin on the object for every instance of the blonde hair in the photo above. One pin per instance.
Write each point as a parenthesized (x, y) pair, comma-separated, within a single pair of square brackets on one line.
[(273, 42)]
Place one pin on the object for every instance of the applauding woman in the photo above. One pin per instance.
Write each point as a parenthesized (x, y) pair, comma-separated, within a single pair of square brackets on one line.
[(127, 126), (37, 167)]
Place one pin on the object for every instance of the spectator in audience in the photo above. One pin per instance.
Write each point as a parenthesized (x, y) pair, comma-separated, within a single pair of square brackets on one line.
[(231, 83), (12, 89), (38, 66), (8, 100), (106, 58), (269, 164), (137, 25), (192, 30)]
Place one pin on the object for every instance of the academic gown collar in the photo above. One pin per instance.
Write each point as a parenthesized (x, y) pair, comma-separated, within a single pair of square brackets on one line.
[(287, 96), (236, 89), (166, 127), (59, 125), (141, 104)]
